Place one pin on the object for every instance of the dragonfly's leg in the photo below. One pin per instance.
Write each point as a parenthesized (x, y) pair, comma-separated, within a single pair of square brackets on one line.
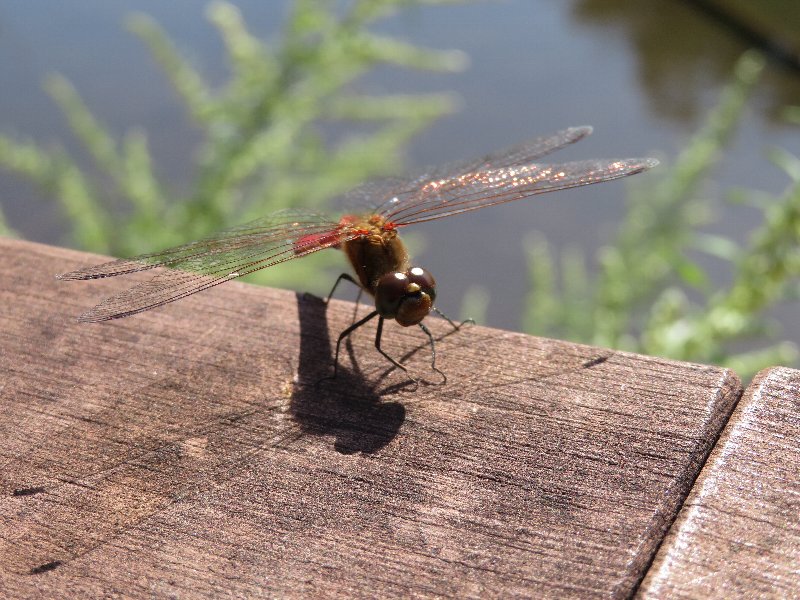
[(378, 344), (452, 323), (346, 333), (349, 278), (358, 299), (433, 351)]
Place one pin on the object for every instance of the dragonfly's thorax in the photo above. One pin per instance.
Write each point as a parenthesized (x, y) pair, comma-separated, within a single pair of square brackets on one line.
[(381, 262), (376, 252)]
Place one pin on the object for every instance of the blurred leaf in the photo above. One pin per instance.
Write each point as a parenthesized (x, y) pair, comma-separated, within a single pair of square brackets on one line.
[(266, 140), (5, 230), (638, 300), (474, 303)]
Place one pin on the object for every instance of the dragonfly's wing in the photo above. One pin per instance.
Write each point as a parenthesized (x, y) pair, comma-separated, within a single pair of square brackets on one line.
[(473, 190), (527, 152), (382, 191), (200, 265)]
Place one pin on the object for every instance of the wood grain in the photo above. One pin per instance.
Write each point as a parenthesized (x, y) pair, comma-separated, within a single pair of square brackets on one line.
[(188, 451), (738, 535)]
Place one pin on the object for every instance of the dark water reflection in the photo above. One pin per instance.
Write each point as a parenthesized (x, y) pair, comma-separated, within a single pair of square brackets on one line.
[(683, 48)]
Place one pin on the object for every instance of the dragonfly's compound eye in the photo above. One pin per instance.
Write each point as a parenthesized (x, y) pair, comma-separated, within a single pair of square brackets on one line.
[(424, 280), (389, 291), (406, 297)]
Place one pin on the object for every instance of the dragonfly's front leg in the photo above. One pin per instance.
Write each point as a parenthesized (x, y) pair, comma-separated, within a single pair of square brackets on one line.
[(378, 334), (449, 320), (433, 349)]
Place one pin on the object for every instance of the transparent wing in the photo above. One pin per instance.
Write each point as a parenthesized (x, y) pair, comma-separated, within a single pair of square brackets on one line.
[(452, 195), (197, 266), (382, 192), (527, 152)]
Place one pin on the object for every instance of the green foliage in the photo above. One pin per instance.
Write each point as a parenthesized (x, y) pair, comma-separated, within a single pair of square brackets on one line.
[(5, 230), (474, 304), (264, 131), (264, 147), (640, 298)]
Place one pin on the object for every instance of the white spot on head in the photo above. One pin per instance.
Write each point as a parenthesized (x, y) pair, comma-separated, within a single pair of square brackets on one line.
[(400, 276), (417, 271)]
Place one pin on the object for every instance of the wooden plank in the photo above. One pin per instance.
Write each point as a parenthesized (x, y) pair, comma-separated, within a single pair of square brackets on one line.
[(187, 451), (738, 536)]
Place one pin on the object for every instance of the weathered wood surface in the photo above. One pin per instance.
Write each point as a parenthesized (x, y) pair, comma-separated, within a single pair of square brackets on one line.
[(187, 451), (738, 535)]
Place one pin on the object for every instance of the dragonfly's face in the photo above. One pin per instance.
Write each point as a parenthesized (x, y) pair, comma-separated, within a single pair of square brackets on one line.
[(406, 297)]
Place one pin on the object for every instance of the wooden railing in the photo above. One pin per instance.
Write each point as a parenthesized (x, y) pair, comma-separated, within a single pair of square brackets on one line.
[(192, 451)]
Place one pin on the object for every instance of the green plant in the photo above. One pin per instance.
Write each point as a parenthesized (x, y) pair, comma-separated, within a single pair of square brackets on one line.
[(639, 299), (263, 132)]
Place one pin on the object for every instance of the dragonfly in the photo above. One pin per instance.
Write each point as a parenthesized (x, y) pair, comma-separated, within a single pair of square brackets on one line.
[(382, 266)]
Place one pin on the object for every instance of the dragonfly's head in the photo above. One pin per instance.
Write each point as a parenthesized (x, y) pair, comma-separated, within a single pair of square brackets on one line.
[(406, 297)]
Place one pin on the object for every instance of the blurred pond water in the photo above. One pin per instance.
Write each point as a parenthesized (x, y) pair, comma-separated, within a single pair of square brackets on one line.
[(643, 74)]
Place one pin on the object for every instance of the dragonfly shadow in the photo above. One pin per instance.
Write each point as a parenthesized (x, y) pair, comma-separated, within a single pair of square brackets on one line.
[(348, 407)]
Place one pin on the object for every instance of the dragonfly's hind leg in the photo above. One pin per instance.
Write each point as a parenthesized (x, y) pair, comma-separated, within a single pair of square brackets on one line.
[(346, 277), (346, 333)]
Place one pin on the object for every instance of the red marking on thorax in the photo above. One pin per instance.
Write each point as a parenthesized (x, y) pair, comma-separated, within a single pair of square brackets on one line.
[(348, 224), (327, 239)]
